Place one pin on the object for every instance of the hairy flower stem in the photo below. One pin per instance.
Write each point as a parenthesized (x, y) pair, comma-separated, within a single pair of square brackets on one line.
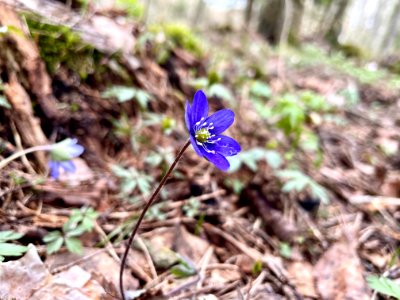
[(9, 159), (145, 209)]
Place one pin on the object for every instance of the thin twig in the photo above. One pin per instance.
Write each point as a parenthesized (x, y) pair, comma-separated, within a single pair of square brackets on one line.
[(18, 142), (109, 246), (148, 258), (203, 266), (78, 261)]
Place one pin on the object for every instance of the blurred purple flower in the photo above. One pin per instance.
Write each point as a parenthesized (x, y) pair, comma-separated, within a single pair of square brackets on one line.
[(62, 154), (205, 132)]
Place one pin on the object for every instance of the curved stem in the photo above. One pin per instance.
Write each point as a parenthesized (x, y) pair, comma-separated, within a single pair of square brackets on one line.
[(139, 221), (9, 159)]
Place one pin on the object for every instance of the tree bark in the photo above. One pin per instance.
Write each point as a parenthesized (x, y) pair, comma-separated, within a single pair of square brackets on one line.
[(371, 26), (248, 12), (24, 71), (273, 16), (271, 20)]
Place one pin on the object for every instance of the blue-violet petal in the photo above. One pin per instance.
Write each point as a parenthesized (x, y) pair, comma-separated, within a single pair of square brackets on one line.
[(199, 107), (195, 146), (217, 159), (188, 116), (54, 169), (68, 166), (226, 146), (221, 120)]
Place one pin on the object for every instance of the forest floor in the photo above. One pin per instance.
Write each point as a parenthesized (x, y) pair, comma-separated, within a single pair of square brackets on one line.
[(309, 209)]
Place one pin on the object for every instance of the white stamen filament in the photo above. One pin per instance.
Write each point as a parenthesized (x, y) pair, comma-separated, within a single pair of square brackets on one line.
[(205, 127)]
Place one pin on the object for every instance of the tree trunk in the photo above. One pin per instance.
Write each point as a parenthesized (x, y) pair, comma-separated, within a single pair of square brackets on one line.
[(371, 26), (271, 20), (24, 71), (332, 21), (275, 16), (248, 12)]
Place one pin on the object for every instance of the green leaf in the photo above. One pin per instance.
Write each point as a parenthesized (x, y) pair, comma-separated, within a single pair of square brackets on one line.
[(260, 89), (191, 208), (10, 235), (285, 250), (74, 245), (7, 249), (291, 114), (143, 98), (132, 179), (257, 268), (298, 181), (150, 119), (297, 184), (154, 159), (125, 93), (128, 186), (251, 157), (314, 102), (73, 220), (319, 192), (75, 231), (155, 212), (220, 91), (290, 174), (122, 93), (274, 159), (235, 163), (384, 286), (120, 171), (144, 184), (237, 186), (4, 102), (251, 163), (309, 141), (88, 223), (52, 236), (264, 111), (183, 269), (351, 94), (55, 245)]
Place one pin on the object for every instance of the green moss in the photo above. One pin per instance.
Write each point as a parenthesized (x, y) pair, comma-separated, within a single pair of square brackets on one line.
[(352, 51), (60, 46), (336, 60), (180, 36), (132, 8)]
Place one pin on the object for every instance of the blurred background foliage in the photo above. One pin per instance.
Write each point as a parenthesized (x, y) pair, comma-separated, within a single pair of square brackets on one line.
[(298, 73)]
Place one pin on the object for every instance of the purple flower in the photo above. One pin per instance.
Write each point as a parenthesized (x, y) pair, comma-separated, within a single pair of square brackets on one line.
[(205, 132), (61, 155)]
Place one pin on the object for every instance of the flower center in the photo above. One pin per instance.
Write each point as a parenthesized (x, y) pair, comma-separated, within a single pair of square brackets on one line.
[(202, 135)]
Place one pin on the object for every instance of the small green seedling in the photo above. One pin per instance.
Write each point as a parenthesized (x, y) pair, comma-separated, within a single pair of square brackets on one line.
[(80, 221), (9, 249)]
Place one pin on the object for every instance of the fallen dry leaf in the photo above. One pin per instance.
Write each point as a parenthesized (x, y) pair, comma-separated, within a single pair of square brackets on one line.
[(28, 278), (72, 284), (19, 278), (221, 275), (301, 275), (191, 246), (98, 263), (339, 273), (391, 185)]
